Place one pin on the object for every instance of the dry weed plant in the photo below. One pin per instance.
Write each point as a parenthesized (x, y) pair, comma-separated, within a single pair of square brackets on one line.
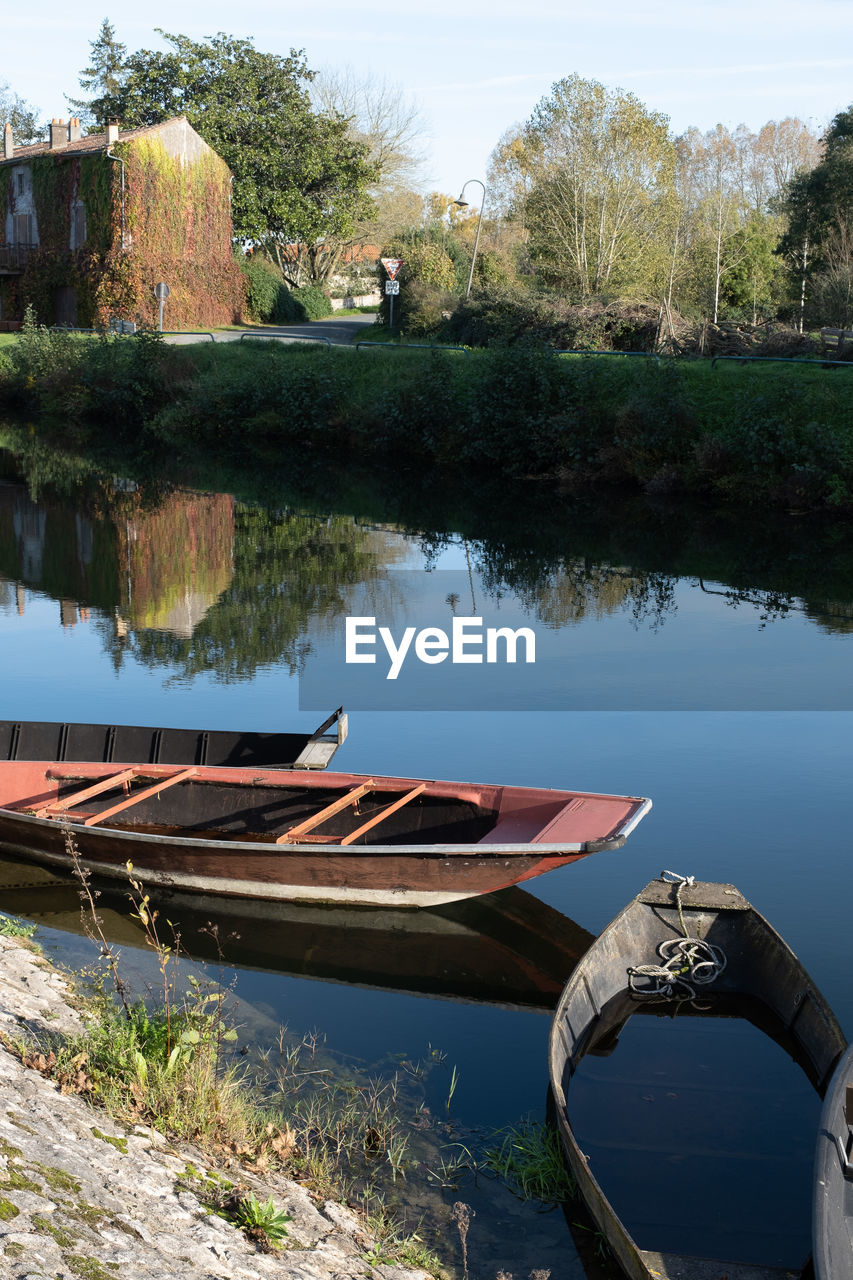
[(462, 1214)]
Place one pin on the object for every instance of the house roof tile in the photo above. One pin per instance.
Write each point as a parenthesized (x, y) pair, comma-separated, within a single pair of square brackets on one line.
[(83, 146)]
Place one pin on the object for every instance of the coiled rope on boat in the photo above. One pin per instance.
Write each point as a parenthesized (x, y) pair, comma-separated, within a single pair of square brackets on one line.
[(686, 962)]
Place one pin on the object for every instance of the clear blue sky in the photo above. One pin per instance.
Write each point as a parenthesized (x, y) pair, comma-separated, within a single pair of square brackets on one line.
[(476, 67)]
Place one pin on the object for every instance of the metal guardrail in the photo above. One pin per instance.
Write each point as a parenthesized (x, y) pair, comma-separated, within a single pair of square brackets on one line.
[(575, 351), (187, 333), (116, 333), (816, 362), (287, 337), (412, 346)]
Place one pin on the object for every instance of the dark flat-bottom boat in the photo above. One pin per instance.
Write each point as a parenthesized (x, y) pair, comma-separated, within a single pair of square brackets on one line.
[(300, 836), (57, 740), (755, 974), (832, 1210)]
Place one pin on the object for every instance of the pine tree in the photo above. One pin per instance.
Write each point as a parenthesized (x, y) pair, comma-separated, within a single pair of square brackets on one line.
[(102, 79)]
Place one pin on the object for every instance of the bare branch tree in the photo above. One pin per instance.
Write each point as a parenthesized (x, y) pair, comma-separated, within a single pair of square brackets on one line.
[(391, 127)]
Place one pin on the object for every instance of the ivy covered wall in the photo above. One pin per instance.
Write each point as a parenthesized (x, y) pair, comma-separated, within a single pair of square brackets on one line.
[(177, 222)]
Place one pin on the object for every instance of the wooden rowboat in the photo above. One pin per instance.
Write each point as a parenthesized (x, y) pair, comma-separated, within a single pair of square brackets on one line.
[(643, 963), (832, 1210), (55, 740), (312, 837)]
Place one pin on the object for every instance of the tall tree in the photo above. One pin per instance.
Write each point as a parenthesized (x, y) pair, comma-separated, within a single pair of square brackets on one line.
[(602, 175), (381, 117), (387, 124), (298, 175), (14, 110), (816, 203), (717, 192), (102, 78), (510, 175)]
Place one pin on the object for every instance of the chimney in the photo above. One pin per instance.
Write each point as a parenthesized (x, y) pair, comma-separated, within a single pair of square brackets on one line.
[(75, 129), (8, 143), (112, 132), (58, 135)]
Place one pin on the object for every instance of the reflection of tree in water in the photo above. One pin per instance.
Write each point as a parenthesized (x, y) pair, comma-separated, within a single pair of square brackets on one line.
[(835, 617), (564, 561), (287, 569), (577, 589), (560, 591)]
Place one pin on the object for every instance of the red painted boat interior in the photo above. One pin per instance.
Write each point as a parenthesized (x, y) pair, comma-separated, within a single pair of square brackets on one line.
[(238, 802)]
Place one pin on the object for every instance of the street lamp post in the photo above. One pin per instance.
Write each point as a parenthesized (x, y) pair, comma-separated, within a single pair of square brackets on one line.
[(463, 204)]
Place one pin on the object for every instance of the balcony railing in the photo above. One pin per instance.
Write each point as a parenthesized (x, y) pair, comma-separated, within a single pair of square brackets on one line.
[(13, 257)]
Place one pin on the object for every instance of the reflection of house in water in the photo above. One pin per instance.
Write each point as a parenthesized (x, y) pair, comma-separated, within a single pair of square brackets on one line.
[(178, 560), (159, 569), (11, 596), (29, 522)]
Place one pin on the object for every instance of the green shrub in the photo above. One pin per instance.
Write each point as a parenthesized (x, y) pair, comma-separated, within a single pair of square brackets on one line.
[(423, 309), (505, 313), (288, 309), (268, 299), (314, 302), (431, 279)]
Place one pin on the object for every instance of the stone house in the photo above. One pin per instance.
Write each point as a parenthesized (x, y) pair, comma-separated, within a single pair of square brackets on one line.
[(89, 225)]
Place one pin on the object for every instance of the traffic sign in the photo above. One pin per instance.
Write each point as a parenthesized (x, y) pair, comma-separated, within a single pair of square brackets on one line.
[(392, 286), (392, 266)]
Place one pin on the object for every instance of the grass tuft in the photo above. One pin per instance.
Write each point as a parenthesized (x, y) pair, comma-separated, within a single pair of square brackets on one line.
[(530, 1161)]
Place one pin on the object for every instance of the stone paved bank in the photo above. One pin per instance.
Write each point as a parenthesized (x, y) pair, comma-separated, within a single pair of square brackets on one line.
[(83, 1199)]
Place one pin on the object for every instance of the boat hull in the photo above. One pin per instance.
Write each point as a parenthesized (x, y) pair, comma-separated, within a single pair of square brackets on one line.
[(55, 740), (240, 864), (392, 877), (761, 969), (832, 1210)]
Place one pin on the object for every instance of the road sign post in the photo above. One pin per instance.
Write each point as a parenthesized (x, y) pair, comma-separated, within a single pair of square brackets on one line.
[(161, 293), (392, 289), (392, 286)]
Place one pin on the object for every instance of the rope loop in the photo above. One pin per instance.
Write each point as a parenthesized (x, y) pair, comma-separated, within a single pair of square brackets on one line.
[(672, 877), (685, 962)]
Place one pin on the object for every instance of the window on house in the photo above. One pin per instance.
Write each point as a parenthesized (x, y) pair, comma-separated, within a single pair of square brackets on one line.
[(20, 178), (22, 228), (78, 225)]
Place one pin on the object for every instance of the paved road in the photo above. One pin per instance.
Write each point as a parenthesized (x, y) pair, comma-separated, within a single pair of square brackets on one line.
[(340, 332)]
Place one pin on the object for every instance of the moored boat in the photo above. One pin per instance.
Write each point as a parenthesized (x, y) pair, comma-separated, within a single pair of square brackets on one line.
[(71, 740), (695, 951), (303, 836), (832, 1210)]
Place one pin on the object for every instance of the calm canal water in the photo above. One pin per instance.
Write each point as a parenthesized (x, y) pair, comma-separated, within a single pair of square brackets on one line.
[(705, 664)]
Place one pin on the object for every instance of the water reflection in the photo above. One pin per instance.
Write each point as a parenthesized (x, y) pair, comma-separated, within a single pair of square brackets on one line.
[(508, 950), (722, 1097), (204, 583)]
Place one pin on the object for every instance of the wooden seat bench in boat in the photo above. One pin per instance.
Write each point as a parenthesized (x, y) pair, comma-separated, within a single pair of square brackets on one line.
[(55, 808), (302, 831)]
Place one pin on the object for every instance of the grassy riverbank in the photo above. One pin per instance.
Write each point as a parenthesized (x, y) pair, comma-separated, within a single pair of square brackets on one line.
[(177, 1061), (777, 434)]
